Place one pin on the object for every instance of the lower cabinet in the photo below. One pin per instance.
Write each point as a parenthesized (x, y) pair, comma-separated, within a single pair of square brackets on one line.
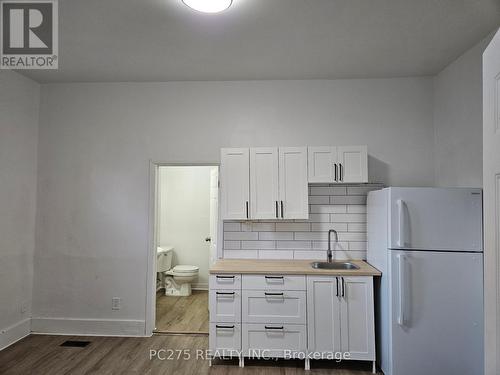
[(312, 317), (261, 306), (225, 339), (274, 340), (225, 306), (340, 316)]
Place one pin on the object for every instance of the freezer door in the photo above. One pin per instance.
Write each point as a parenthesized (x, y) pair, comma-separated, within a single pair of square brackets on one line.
[(436, 219), (437, 313)]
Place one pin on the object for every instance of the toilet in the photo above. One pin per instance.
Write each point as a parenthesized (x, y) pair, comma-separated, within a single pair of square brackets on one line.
[(177, 280)]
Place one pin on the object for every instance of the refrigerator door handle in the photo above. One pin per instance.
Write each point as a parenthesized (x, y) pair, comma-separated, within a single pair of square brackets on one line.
[(401, 289), (401, 223)]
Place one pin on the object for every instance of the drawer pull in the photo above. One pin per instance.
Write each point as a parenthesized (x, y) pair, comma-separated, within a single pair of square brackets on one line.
[(225, 293), (268, 327), (224, 277), (273, 294), (274, 277), (224, 327)]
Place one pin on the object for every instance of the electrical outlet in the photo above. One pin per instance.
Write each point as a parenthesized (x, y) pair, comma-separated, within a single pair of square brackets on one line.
[(116, 303)]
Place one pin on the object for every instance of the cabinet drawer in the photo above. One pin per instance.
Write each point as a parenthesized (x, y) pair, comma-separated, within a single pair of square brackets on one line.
[(225, 339), (272, 340), (225, 306), (282, 282), (261, 306), (223, 281)]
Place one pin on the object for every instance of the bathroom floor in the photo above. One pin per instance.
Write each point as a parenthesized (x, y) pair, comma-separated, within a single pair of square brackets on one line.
[(182, 314)]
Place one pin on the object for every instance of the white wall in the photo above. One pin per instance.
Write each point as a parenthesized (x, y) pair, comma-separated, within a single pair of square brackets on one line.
[(184, 216), (458, 120), (19, 101), (96, 141)]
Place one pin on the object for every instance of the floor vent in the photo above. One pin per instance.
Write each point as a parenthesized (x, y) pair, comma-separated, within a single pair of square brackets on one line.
[(75, 344)]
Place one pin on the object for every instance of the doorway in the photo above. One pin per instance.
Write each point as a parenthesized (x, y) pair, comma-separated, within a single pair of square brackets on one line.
[(186, 245)]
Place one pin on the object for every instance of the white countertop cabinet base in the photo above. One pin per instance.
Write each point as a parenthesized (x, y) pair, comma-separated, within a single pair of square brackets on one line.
[(292, 317)]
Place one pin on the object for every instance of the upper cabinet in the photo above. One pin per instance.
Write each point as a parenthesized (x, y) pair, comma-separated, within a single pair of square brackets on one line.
[(293, 191), (264, 188), (270, 184), (235, 179), (343, 164)]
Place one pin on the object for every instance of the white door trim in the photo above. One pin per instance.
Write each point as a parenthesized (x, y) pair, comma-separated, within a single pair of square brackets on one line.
[(150, 290), (491, 185)]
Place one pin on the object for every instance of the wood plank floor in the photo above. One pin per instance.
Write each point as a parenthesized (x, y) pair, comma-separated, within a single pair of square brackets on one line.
[(182, 314), (43, 355)]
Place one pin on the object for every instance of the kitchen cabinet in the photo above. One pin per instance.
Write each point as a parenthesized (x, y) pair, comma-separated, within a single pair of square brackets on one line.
[(264, 189), (340, 316), (293, 190), (342, 164), (273, 315), (225, 305), (323, 314), (303, 316), (273, 340), (225, 315), (235, 182), (264, 183)]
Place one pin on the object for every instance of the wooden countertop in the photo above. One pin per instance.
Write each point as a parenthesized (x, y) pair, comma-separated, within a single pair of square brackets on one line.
[(287, 267)]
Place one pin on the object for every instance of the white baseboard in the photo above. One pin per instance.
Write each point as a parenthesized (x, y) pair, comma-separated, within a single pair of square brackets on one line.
[(200, 286), (14, 333), (88, 327)]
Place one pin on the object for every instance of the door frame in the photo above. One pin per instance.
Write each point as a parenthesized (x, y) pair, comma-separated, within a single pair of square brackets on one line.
[(491, 180), (154, 166)]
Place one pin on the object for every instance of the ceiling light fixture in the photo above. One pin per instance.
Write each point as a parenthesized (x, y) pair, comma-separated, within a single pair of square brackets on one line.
[(208, 6)]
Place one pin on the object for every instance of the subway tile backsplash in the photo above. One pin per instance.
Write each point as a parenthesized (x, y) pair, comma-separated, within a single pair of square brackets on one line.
[(342, 208)]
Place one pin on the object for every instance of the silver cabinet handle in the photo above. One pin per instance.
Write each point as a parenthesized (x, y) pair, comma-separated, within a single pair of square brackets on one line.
[(337, 286), (282, 210), (336, 172), (225, 293), (343, 288), (277, 215), (273, 294), (246, 206), (341, 172)]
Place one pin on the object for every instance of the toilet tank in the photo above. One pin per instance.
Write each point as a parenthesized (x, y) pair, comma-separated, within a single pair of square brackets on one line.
[(164, 258)]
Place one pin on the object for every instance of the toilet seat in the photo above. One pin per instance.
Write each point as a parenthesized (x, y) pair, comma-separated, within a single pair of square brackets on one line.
[(185, 269)]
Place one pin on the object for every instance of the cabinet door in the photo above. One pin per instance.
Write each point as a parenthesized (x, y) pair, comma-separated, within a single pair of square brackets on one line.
[(235, 184), (353, 163), (273, 340), (225, 306), (294, 199), (225, 338), (357, 317), (321, 164), (262, 306), (264, 183), (323, 314)]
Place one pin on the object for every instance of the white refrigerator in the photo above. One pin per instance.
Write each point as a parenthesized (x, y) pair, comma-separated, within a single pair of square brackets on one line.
[(427, 242)]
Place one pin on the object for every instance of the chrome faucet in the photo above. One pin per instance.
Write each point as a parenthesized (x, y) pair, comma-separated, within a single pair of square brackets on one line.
[(329, 254)]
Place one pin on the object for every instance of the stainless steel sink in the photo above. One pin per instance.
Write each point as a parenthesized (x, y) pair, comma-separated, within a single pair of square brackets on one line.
[(334, 266)]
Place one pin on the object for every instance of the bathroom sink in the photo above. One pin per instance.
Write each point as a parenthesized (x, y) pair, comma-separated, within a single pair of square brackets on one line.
[(334, 266)]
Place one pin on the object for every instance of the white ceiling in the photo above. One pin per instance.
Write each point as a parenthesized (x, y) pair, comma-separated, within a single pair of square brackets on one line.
[(163, 40)]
